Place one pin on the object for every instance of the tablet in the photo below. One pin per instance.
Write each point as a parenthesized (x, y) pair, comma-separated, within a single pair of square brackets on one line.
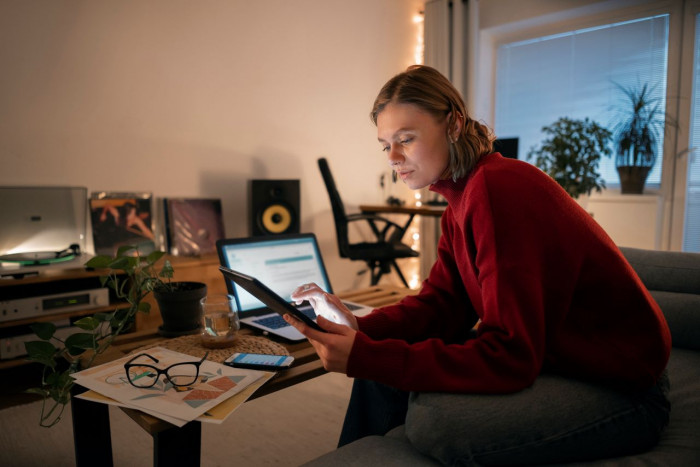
[(263, 293)]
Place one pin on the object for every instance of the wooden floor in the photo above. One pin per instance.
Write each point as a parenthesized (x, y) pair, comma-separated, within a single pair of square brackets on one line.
[(15, 381)]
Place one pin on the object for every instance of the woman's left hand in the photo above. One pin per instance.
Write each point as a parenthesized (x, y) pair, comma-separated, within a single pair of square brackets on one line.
[(333, 347)]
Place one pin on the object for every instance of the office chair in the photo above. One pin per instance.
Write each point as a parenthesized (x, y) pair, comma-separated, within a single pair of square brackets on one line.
[(381, 255)]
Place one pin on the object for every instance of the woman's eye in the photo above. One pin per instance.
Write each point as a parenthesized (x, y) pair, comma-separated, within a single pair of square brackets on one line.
[(406, 140), (385, 148)]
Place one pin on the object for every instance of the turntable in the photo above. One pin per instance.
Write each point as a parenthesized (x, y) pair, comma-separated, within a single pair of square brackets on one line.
[(38, 258), (42, 227)]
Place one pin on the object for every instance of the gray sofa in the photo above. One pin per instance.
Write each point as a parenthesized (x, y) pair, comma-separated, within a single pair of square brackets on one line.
[(674, 281)]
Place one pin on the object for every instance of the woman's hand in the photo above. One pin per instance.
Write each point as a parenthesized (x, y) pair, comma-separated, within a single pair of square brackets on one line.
[(324, 304), (333, 347)]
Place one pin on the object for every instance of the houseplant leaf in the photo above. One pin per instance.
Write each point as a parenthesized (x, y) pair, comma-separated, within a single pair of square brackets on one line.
[(43, 331), (79, 342), (42, 352), (89, 323)]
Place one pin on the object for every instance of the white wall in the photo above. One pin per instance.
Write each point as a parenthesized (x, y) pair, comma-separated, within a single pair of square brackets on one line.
[(184, 98)]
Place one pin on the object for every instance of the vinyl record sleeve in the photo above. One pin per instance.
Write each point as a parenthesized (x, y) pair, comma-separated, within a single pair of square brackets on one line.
[(193, 225), (121, 219)]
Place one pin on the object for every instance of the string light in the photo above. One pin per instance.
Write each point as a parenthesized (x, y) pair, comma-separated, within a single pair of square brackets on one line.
[(413, 232), (418, 20)]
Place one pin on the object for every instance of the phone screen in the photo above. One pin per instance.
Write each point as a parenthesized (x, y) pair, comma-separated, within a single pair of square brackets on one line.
[(259, 359)]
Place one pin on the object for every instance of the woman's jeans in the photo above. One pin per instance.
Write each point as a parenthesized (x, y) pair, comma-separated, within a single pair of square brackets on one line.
[(555, 420)]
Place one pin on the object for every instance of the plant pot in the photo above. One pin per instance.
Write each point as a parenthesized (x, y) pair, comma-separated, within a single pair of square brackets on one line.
[(180, 309), (632, 178)]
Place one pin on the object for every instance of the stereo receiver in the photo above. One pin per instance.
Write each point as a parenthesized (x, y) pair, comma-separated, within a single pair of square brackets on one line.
[(44, 305)]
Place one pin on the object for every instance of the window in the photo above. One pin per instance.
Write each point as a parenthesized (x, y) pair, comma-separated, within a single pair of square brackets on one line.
[(574, 75), (691, 228)]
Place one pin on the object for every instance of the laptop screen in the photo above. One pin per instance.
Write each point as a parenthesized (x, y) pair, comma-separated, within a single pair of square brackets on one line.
[(283, 263)]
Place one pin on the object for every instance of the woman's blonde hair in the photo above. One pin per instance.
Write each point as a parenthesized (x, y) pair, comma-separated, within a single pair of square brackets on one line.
[(428, 89)]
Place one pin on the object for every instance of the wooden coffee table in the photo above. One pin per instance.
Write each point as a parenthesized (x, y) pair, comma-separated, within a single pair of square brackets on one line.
[(174, 445)]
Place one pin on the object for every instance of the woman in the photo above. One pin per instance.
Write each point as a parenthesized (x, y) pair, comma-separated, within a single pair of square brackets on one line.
[(569, 354)]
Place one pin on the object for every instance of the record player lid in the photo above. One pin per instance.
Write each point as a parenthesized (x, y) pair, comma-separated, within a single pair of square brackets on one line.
[(41, 220)]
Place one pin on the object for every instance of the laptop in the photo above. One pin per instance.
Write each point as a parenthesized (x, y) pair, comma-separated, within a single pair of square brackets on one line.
[(282, 263)]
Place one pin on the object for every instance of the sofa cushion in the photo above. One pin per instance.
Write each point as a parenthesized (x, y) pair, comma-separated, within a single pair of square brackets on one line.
[(682, 312), (670, 271), (680, 441)]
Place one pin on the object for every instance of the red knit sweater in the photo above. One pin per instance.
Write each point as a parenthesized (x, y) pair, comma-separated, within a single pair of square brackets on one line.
[(550, 287)]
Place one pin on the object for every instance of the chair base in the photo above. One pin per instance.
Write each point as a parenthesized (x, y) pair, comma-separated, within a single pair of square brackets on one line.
[(379, 268)]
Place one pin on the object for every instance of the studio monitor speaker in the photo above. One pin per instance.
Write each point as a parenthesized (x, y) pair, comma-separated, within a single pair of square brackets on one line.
[(274, 207)]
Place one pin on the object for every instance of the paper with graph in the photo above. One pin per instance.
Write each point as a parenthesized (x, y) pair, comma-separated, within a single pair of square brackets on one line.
[(177, 405)]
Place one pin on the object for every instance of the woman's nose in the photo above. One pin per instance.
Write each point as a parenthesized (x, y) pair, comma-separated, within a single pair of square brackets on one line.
[(395, 156)]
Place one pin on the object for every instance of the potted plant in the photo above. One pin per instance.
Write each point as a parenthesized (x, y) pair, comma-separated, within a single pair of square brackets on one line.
[(641, 124), (571, 154), (132, 277), (179, 305)]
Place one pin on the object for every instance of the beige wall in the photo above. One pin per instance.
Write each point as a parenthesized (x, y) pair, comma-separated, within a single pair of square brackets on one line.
[(185, 98)]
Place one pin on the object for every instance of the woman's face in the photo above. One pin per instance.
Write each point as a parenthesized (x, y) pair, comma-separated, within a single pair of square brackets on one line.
[(415, 142)]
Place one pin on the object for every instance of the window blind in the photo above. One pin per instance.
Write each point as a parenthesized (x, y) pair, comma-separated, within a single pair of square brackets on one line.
[(574, 74), (691, 226)]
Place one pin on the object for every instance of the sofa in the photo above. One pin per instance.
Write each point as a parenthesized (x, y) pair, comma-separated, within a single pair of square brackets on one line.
[(673, 278)]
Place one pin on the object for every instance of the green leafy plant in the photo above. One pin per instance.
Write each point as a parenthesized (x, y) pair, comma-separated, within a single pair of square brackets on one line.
[(641, 124), (132, 277), (571, 154)]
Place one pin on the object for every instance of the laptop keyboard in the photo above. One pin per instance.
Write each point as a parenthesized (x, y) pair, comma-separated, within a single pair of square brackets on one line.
[(352, 306), (277, 322)]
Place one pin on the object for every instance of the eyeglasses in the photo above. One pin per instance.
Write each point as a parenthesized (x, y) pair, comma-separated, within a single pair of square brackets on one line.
[(143, 375)]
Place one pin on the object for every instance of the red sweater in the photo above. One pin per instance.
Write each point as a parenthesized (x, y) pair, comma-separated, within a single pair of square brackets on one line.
[(550, 287)]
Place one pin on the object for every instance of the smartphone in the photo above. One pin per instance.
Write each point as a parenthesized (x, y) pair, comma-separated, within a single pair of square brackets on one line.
[(256, 361)]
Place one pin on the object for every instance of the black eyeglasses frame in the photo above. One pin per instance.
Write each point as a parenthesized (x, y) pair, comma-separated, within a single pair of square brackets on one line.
[(158, 371)]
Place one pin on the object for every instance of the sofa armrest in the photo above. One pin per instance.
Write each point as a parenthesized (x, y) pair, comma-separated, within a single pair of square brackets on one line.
[(673, 279)]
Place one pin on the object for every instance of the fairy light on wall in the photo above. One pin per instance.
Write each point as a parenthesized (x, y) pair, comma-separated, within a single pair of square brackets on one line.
[(413, 232), (411, 266), (418, 20)]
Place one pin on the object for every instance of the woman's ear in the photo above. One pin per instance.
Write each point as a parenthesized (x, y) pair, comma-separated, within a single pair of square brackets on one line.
[(457, 126), (454, 126)]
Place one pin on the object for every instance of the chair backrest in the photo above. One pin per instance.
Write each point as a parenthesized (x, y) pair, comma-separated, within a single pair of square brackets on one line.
[(339, 216)]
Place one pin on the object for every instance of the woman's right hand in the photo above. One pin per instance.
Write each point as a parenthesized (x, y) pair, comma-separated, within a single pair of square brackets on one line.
[(327, 305)]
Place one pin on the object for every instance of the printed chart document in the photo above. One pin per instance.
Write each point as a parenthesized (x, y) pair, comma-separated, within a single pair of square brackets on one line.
[(216, 384)]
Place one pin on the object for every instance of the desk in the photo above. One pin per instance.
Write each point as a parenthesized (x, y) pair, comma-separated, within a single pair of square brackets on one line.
[(182, 446), (429, 237), (411, 211)]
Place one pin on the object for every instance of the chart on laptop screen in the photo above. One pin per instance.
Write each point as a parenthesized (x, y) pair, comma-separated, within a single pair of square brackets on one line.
[(282, 265)]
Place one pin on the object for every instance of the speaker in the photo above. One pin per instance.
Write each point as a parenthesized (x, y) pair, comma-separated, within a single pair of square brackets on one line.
[(274, 207)]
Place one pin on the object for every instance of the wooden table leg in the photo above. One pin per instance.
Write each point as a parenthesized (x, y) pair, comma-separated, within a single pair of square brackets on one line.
[(178, 446), (91, 433)]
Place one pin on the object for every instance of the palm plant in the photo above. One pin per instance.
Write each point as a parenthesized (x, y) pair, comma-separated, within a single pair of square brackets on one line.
[(642, 123)]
